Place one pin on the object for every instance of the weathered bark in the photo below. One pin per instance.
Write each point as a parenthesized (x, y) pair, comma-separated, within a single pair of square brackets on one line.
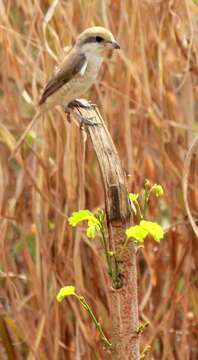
[(124, 303)]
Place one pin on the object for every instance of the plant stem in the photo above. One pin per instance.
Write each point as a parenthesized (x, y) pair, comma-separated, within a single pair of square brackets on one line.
[(146, 202), (139, 211), (86, 306), (104, 244)]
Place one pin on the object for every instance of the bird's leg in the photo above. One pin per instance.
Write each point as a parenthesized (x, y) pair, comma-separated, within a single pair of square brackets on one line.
[(83, 119), (82, 103)]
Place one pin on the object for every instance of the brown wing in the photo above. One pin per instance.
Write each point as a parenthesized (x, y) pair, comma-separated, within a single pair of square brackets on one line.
[(69, 68)]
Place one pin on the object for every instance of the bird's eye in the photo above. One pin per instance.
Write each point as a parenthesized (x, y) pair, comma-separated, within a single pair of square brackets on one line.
[(99, 39)]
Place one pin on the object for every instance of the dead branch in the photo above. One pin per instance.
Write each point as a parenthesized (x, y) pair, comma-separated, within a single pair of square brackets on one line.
[(124, 303)]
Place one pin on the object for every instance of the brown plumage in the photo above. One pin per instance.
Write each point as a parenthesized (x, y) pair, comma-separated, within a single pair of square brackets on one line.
[(70, 68)]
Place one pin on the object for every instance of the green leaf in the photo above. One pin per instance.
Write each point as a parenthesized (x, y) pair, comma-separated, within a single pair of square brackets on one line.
[(31, 136), (158, 189), (136, 232), (65, 291), (133, 197), (82, 215), (29, 240), (51, 226), (139, 232), (92, 228), (152, 228), (79, 216), (91, 231), (181, 284)]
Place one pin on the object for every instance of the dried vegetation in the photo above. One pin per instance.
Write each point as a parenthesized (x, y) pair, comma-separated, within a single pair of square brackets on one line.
[(148, 94)]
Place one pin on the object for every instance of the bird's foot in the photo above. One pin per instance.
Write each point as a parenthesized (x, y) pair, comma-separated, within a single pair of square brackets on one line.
[(82, 103), (87, 121), (83, 120)]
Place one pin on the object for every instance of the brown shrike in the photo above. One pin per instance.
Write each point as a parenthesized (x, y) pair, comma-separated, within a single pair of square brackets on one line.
[(75, 75)]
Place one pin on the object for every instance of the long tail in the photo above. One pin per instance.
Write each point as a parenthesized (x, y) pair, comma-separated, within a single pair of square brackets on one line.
[(23, 136)]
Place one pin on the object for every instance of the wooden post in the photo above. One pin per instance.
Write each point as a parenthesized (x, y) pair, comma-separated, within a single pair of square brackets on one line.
[(124, 302)]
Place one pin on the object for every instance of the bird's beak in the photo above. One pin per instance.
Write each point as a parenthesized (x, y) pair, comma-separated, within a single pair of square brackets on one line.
[(113, 44)]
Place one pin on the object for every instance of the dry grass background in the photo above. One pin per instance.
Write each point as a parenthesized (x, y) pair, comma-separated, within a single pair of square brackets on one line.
[(148, 94)]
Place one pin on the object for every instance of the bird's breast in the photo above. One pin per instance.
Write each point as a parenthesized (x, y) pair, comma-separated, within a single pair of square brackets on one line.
[(94, 64)]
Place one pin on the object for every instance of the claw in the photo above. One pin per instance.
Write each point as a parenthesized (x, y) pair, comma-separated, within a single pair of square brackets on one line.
[(87, 121), (82, 103), (83, 119), (92, 105)]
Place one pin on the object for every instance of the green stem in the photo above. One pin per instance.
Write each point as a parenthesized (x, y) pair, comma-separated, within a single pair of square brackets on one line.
[(113, 272), (104, 244), (86, 306), (146, 202), (139, 211)]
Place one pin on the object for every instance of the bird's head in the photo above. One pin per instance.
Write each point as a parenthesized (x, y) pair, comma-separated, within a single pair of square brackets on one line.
[(96, 40)]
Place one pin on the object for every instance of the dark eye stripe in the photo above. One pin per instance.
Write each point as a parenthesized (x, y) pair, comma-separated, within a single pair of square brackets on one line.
[(93, 39)]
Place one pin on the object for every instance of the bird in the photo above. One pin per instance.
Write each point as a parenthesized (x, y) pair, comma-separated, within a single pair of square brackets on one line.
[(75, 75)]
